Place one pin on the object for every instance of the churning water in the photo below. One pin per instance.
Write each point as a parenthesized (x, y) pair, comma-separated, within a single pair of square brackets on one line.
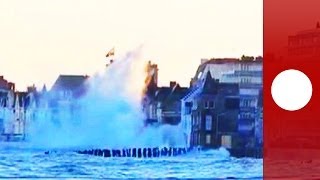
[(110, 117), (30, 163)]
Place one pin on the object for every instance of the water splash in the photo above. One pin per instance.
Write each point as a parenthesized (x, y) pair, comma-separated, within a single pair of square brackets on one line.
[(108, 115)]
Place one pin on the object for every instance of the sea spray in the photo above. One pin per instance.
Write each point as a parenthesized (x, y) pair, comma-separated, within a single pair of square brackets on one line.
[(108, 115)]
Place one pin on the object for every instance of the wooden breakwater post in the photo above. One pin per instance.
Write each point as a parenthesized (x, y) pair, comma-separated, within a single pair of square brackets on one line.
[(136, 152)]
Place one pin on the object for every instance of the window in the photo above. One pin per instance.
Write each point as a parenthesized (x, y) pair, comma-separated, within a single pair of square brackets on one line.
[(206, 104), (208, 122), (248, 103), (208, 139), (187, 110), (232, 103), (188, 107), (196, 121), (244, 67), (211, 104), (226, 141), (247, 115)]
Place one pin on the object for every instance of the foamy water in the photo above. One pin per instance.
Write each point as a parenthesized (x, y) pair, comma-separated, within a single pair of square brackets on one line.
[(109, 114), (30, 163)]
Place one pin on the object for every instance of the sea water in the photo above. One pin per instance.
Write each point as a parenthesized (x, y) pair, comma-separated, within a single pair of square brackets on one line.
[(25, 162)]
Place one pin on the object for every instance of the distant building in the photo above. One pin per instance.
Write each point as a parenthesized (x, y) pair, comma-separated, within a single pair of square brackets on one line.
[(37, 106), (259, 121), (246, 72), (151, 86), (6, 85), (165, 106), (12, 111), (210, 113), (69, 86), (305, 43), (161, 105), (168, 105), (63, 95)]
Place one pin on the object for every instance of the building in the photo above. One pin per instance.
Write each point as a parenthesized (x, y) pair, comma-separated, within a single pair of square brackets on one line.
[(149, 106), (167, 103), (210, 114), (303, 46), (63, 96), (6, 85), (305, 43), (164, 105), (161, 105), (12, 112), (37, 106), (246, 72), (69, 86), (259, 121)]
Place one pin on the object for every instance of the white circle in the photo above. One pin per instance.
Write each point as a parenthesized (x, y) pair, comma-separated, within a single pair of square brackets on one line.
[(291, 90)]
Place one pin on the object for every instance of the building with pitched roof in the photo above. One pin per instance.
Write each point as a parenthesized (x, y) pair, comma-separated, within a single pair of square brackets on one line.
[(161, 105), (210, 113), (12, 111), (69, 86), (64, 94), (164, 106), (246, 72)]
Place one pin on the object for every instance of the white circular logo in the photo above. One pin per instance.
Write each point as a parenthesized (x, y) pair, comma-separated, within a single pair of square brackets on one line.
[(291, 90)]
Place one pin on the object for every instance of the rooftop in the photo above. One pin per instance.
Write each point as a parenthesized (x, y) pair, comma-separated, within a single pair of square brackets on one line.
[(315, 30), (69, 82)]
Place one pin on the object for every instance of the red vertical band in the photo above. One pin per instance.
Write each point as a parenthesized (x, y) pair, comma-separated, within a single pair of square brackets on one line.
[(291, 41)]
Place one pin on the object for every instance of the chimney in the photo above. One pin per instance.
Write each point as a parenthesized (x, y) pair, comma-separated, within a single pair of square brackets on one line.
[(31, 89), (172, 84), (11, 86)]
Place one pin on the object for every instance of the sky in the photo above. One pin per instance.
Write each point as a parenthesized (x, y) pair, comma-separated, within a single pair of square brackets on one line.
[(40, 39)]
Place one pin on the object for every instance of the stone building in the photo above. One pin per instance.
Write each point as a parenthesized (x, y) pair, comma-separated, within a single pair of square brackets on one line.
[(246, 72), (211, 113), (168, 105), (161, 105)]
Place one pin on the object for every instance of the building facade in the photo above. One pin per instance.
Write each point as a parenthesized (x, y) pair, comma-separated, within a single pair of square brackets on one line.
[(12, 112), (246, 72), (161, 105), (211, 114), (63, 97), (305, 43), (168, 105)]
